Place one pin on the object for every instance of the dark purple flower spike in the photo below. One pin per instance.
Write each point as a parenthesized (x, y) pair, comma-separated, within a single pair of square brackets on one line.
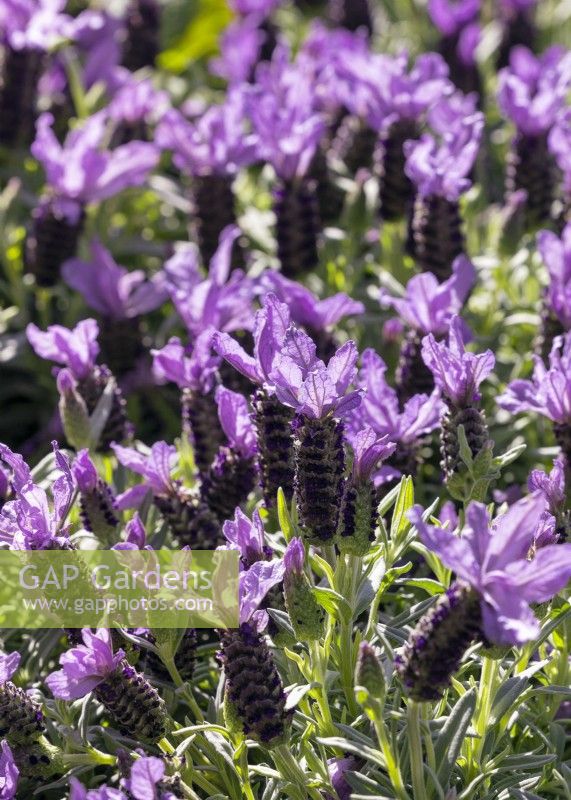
[(532, 93), (458, 23), (212, 150), (490, 599), (28, 31), (189, 518), (194, 371), (232, 474), (21, 718), (93, 666), (354, 15), (141, 36), (78, 172), (517, 18), (272, 419), (283, 109), (96, 500), (457, 375), (254, 700), (440, 171), (320, 397)]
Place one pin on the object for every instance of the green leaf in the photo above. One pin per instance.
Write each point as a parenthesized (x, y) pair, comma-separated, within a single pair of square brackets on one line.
[(370, 586), (284, 517), (405, 500), (509, 456), (450, 739), (428, 584), (465, 452), (334, 603), (200, 38)]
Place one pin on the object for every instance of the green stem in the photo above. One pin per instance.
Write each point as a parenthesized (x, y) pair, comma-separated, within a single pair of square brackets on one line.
[(393, 768), (318, 670), (415, 751), (187, 692), (290, 770)]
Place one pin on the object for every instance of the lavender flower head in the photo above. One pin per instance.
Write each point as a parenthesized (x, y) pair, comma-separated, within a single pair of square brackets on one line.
[(155, 468), (549, 391), (138, 101), (79, 792), (223, 300), (28, 522), (428, 306), (85, 666), (294, 557), (441, 168), (81, 171), (270, 326), (9, 663), (218, 143), (236, 423), (33, 24), (307, 309), (254, 585), (240, 47), (368, 450), (84, 472), (337, 769), (190, 368), (75, 349), (144, 781), (492, 557), (450, 16), (551, 486), (282, 109), (410, 93), (556, 255), (532, 90), (96, 35), (380, 410), (112, 290), (304, 383), (457, 373), (248, 537)]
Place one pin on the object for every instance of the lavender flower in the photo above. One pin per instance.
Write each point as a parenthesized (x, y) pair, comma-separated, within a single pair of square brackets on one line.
[(9, 773), (248, 536), (223, 300), (148, 780), (458, 375), (96, 499), (194, 370), (556, 313), (79, 792), (28, 30), (81, 383), (136, 102), (212, 150), (121, 297), (231, 476), (21, 718), (408, 96), (358, 517), (457, 21), (337, 769), (272, 420), (254, 701), (532, 93), (306, 615), (318, 394), (427, 307), (547, 393), (129, 698), (380, 411), (282, 107), (559, 144), (440, 173), (240, 49), (307, 310), (27, 522), (495, 583)]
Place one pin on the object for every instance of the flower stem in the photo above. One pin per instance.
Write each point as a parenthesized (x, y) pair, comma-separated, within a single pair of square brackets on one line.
[(415, 751), (318, 669), (486, 694), (393, 768)]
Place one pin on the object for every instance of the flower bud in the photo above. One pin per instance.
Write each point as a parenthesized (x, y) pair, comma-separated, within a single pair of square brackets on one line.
[(38, 760), (306, 615), (73, 411), (358, 519), (21, 718), (369, 672)]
